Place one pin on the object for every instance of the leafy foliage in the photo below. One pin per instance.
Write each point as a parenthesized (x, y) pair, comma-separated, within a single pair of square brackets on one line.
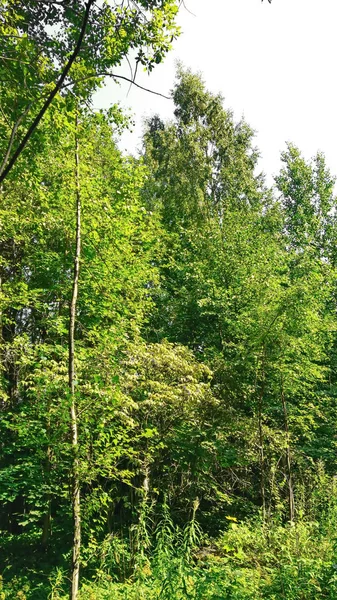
[(205, 336)]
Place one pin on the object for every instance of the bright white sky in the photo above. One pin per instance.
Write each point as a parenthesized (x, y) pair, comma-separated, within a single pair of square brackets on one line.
[(274, 63)]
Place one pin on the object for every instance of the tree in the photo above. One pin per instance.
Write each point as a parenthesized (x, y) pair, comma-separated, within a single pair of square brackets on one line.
[(234, 289), (53, 47), (41, 385)]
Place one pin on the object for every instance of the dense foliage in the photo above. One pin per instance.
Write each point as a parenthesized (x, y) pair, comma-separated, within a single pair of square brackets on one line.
[(197, 307)]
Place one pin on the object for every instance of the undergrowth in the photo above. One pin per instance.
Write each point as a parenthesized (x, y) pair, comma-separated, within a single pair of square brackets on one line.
[(250, 561)]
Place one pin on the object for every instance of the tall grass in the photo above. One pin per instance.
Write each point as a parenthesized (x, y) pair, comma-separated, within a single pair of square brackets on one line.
[(249, 561)]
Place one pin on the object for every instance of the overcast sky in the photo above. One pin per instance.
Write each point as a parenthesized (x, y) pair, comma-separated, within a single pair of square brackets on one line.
[(275, 64)]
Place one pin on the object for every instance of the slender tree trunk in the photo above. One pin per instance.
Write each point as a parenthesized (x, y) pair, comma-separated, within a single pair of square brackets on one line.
[(76, 506), (261, 438), (146, 481), (12, 138), (288, 459), (46, 525), (2, 353), (46, 521), (12, 253)]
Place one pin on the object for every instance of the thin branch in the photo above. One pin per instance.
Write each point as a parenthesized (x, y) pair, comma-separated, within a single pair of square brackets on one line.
[(22, 62), (182, 3), (131, 72), (114, 76), (52, 95), (10, 35), (139, 11), (4, 116), (134, 77), (58, 2), (12, 138)]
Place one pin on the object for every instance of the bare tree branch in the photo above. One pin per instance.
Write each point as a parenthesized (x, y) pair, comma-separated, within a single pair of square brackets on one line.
[(115, 76), (182, 3)]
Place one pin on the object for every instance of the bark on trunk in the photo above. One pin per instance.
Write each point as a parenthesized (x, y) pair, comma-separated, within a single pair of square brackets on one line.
[(46, 521), (288, 460), (76, 506), (261, 439)]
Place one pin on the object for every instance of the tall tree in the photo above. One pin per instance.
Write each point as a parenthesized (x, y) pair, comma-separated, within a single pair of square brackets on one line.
[(76, 496), (43, 320), (233, 287)]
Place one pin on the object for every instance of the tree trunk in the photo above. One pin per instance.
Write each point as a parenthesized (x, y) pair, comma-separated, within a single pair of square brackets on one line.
[(46, 526), (76, 506), (288, 459), (261, 439), (11, 252), (46, 520)]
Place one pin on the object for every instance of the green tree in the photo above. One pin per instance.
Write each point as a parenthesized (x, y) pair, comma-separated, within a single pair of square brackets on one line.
[(236, 290), (308, 200), (117, 245), (50, 47)]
